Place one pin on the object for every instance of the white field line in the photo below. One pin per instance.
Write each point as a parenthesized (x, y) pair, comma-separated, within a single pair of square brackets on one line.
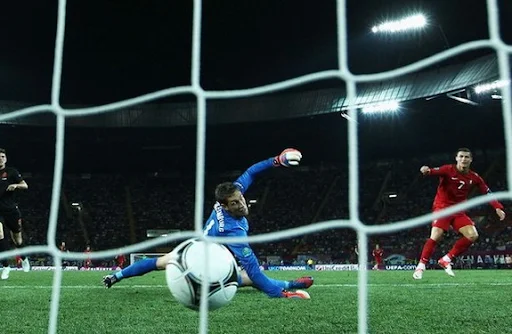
[(395, 285)]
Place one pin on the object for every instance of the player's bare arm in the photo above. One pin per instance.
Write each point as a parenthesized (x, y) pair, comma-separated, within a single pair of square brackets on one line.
[(21, 185)]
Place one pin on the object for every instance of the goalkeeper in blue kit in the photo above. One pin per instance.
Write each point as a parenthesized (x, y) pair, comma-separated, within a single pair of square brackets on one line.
[(228, 219)]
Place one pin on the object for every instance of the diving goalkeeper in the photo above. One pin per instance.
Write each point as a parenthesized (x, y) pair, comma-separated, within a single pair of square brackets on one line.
[(228, 219)]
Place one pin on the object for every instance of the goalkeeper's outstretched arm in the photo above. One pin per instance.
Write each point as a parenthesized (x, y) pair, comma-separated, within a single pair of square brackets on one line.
[(287, 158)]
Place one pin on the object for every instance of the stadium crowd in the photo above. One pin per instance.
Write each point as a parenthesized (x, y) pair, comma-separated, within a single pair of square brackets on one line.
[(106, 211)]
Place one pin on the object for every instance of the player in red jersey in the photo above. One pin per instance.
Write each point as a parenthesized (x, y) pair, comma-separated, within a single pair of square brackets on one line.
[(455, 183), (377, 255), (120, 261)]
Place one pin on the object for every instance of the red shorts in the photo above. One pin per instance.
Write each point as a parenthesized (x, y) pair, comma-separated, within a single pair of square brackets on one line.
[(457, 221)]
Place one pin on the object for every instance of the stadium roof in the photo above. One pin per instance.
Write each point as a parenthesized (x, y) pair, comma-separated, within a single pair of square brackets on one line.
[(425, 84)]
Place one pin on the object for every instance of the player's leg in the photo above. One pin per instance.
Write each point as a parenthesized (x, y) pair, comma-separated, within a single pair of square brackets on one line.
[(465, 226), (244, 280), (300, 283), (379, 263), (18, 240), (439, 226), (139, 268), (14, 222), (3, 247)]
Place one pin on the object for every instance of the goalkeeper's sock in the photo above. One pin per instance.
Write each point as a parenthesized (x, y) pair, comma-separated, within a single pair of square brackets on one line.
[(428, 249), (139, 268), (460, 247), (282, 284)]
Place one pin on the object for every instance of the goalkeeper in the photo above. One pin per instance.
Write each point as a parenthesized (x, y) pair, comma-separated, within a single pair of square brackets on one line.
[(227, 219)]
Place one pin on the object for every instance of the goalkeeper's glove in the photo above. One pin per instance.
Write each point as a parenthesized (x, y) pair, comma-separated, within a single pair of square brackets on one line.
[(287, 158)]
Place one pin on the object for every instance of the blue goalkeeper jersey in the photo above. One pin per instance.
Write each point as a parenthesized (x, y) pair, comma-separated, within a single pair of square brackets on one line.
[(222, 224)]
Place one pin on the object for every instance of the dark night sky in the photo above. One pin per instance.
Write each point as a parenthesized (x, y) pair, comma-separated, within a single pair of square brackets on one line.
[(121, 49)]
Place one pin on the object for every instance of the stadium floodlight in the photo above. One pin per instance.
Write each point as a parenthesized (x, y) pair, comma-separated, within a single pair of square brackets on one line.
[(412, 22), (490, 86), (381, 107)]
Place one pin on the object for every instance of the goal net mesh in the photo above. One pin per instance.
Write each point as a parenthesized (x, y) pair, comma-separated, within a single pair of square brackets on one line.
[(343, 73)]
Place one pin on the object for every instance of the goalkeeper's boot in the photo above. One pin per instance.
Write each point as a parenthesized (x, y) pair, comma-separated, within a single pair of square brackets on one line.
[(302, 283), (25, 264), (299, 294), (5, 272), (447, 266), (109, 280)]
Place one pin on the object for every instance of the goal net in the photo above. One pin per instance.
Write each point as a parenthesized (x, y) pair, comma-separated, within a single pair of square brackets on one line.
[(342, 72)]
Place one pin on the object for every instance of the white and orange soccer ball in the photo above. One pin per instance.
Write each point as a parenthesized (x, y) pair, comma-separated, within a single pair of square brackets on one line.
[(184, 274)]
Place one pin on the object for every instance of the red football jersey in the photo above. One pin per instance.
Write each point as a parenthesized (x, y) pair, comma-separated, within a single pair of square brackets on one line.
[(378, 252), (454, 186)]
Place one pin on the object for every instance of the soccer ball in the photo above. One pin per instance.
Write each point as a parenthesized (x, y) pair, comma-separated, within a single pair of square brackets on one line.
[(184, 273)]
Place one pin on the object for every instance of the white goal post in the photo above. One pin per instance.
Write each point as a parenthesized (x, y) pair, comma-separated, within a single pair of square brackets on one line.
[(134, 257)]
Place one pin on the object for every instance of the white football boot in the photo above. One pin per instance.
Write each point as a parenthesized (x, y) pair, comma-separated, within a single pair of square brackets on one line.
[(25, 264), (5, 272)]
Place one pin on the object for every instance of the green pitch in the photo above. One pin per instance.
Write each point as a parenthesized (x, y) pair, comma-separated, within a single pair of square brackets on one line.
[(472, 302)]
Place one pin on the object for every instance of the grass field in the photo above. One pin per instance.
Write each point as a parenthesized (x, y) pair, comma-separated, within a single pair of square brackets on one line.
[(472, 302)]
